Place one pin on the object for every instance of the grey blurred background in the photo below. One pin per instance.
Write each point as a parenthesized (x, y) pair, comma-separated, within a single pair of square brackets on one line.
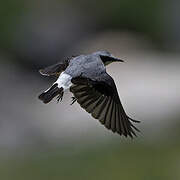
[(59, 141)]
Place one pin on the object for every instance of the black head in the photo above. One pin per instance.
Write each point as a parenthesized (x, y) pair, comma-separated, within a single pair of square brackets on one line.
[(107, 57)]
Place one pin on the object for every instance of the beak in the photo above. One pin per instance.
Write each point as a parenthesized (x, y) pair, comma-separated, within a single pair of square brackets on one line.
[(116, 59)]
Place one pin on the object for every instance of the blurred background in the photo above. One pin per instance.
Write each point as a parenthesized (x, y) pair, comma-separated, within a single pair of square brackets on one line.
[(59, 141)]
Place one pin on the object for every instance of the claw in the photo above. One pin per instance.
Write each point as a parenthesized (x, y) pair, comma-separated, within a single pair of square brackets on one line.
[(60, 97), (73, 100)]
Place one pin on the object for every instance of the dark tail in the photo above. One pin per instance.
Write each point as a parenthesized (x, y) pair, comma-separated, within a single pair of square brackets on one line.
[(47, 96)]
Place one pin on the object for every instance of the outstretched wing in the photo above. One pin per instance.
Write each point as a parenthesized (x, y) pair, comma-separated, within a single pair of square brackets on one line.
[(100, 98), (54, 70)]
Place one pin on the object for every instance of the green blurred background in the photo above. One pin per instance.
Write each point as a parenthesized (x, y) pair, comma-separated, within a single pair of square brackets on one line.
[(59, 141)]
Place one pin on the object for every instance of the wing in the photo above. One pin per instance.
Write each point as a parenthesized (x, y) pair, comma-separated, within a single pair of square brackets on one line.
[(100, 98), (55, 69)]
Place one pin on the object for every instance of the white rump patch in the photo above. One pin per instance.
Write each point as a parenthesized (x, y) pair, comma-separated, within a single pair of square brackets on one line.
[(64, 81)]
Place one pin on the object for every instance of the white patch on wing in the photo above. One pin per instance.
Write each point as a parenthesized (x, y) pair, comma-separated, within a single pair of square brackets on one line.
[(64, 81)]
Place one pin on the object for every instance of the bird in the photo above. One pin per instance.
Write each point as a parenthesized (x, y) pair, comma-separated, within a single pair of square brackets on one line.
[(92, 87)]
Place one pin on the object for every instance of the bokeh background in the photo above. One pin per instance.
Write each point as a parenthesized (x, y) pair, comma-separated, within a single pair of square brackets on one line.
[(59, 141)]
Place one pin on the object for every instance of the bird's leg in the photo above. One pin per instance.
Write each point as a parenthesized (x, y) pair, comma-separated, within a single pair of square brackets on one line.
[(60, 96), (74, 99)]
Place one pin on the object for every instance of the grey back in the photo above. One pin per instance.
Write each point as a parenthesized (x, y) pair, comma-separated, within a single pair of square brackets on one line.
[(89, 66)]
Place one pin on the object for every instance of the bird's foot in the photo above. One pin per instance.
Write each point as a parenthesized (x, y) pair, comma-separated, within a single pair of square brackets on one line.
[(60, 97), (73, 100)]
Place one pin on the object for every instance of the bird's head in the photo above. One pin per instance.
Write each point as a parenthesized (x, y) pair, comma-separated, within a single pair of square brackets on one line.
[(107, 58)]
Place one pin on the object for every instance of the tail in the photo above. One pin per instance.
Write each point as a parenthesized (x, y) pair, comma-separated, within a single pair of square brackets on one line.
[(48, 95)]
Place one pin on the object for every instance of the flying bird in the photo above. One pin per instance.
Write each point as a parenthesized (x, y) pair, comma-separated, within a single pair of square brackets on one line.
[(93, 88)]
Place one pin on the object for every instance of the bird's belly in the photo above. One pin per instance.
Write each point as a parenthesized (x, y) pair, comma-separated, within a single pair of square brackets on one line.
[(64, 81)]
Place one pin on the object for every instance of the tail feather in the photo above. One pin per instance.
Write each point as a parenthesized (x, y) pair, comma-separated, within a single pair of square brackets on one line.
[(48, 95)]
